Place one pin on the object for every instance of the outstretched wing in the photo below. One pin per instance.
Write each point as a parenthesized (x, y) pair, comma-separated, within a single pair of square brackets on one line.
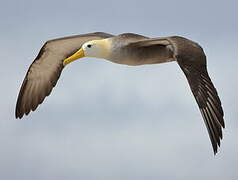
[(192, 61), (206, 96), (45, 70)]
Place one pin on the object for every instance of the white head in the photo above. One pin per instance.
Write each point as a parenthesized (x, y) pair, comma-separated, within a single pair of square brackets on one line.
[(95, 48)]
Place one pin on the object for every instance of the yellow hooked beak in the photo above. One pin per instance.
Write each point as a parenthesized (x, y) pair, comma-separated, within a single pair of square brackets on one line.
[(77, 55)]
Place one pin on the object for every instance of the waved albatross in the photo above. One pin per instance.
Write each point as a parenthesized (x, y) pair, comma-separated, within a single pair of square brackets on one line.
[(129, 49)]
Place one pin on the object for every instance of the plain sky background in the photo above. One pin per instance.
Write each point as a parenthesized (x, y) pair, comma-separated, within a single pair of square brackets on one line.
[(106, 121)]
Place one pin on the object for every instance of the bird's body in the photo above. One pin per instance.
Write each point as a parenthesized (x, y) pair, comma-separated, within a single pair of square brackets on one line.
[(128, 49)]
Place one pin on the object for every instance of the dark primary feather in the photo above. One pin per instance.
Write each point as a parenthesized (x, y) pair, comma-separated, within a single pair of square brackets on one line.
[(208, 101), (45, 70), (192, 61)]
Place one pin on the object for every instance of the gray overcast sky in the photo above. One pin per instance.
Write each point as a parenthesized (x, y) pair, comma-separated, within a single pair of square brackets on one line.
[(110, 122)]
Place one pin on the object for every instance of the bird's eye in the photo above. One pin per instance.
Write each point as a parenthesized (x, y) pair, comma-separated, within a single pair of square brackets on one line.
[(89, 45)]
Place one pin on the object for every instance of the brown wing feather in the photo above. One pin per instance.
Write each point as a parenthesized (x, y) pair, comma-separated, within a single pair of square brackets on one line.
[(192, 60), (45, 70), (207, 98)]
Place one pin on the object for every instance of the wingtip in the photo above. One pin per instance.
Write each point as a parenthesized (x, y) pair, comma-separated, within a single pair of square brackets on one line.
[(18, 115), (215, 151)]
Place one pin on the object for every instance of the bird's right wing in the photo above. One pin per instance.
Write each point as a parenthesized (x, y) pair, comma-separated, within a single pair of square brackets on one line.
[(45, 70)]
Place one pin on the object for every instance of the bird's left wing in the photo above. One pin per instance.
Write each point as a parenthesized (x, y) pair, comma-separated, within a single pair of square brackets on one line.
[(192, 60), (45, 70), (207, 99)]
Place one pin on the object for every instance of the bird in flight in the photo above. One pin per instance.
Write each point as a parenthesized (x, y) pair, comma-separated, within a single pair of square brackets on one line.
[(129, 49)]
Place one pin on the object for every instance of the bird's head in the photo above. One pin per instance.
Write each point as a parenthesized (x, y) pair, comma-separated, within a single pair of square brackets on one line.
[(95, 48)]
